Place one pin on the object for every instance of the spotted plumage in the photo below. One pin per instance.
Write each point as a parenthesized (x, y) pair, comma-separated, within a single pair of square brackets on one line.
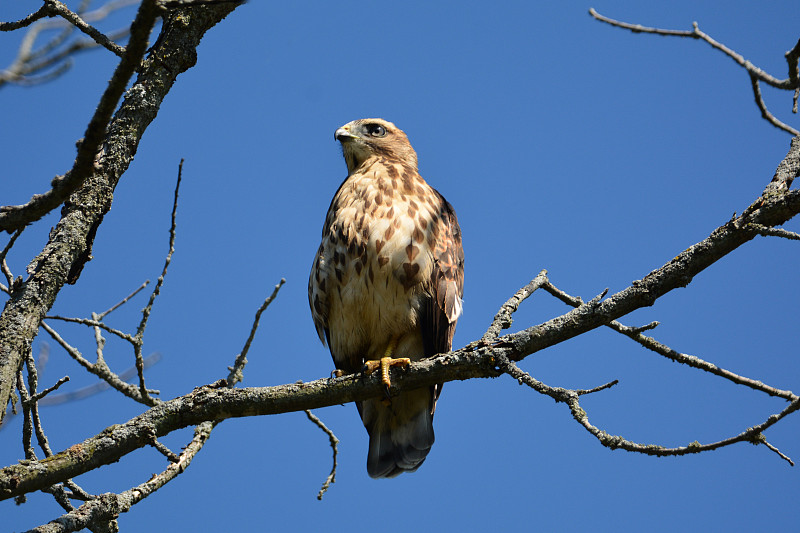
[(388, 276)]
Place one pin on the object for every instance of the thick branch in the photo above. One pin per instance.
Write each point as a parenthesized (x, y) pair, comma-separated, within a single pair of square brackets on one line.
[(70, 245), (476, 360), (787, 170), (771, 209), (666, 351), (15, 217), (479, 359)]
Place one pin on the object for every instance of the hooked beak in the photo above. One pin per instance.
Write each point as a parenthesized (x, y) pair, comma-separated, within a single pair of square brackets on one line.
[(343, 134)]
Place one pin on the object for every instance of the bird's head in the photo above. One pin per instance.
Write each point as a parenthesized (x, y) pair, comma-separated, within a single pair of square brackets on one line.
[(374, 137)]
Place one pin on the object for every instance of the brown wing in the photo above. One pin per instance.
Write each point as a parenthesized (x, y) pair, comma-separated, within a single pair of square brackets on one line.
[(317, 298), (446, 286), (318, 279)]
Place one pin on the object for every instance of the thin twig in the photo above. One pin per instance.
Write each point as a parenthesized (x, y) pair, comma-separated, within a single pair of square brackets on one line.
[(162, 449), (89, 390), (21, 73), (666, 351), (334, 446), (33, 379), (776, 232), (776, 450), (793, 59), (581, 392), (77, 492), (95, 324), (755, 73), (100, 370), (107, 507), (27, 53), (39, 395), (570, 397), (27, 422), (157, 289), (123, 301), (695, 33), (503, 320), (32, 417), (235, 372), (3, 266), (15, 217), (42, 12), (765, 114), (100, 386), (73, 18)]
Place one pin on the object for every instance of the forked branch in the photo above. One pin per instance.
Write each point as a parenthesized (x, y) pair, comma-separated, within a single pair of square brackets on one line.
[(479, 359), (757, 75)]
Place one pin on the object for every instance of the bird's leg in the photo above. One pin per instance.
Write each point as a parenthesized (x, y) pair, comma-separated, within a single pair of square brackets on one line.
[(386, 362)]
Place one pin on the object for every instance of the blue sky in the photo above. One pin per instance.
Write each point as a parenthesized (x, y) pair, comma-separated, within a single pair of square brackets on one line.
[(563, 144)]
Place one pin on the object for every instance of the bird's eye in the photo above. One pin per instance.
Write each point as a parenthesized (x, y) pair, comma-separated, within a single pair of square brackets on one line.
[(375, 130)]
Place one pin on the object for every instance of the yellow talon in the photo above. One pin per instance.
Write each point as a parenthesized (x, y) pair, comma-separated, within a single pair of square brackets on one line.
[(385, 362)]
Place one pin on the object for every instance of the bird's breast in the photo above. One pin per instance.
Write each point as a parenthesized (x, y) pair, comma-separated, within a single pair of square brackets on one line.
[(378, 259)]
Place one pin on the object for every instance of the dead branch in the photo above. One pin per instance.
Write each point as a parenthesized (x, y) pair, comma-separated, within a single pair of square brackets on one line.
[(16, 217), (485, 358), (40, 13), (334, 446), (31, 61), (235, 371), (757, 75), (479, 359), (205, 407), (71, 239), (58, 8)]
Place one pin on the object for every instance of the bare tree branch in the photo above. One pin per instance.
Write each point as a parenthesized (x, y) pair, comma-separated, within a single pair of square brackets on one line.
[(30, 61), (502, 319), (69, 247), (666, 351), (235, 375), (756, 74), (123, 301), (95, 324), (787, 170), (40, 13), (99, 368), (570, 397), (765, 114), (100, 386), (15, 217), (139, 338), (793, 59), (73, 18), (776, 232), (478, 359), (334, 446), (107, 507), (3, 266)]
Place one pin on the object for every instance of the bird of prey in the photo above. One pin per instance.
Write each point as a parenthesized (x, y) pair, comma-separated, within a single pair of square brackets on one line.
[(386, 285)]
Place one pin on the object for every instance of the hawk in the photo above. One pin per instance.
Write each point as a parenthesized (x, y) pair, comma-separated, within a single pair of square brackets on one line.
[(386, 284)]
